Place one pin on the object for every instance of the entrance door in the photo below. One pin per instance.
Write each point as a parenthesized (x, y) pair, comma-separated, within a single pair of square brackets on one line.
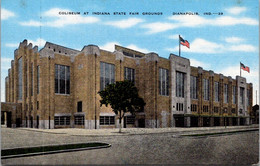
[(9, 119), (194, 122), (141, 123), (18, 122), (2, 118), (31, 120), (124, 122), (37, 125), (179, 121)]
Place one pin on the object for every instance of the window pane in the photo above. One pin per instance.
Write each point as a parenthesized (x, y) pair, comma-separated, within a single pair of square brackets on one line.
[(112, 120), (234, 94), (62, 79), (163, 82), (67, 80), (101, 76), (107, 74), (80, 106), (38, 79), (241, 95), (20, 78), (56, 78), (102, 120)]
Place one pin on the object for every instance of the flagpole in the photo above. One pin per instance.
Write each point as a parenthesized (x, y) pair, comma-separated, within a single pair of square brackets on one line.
[(179, 46), (240, 69)]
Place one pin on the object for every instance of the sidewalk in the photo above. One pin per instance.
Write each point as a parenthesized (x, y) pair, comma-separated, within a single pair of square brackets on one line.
[(140, 131)]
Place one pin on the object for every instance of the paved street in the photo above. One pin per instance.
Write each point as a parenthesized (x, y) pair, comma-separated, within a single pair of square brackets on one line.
[(144, 146)]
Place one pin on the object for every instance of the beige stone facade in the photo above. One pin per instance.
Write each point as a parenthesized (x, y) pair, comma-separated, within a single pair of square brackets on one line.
[(57, 88)]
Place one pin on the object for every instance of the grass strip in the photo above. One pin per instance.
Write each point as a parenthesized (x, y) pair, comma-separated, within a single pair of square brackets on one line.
[(218, 133), (50, 148)]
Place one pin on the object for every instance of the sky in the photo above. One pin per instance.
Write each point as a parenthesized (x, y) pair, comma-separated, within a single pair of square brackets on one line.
[(221, 33)]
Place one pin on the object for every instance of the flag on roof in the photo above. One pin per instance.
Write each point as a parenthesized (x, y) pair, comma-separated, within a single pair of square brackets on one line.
[(184, 42), (246, 68)]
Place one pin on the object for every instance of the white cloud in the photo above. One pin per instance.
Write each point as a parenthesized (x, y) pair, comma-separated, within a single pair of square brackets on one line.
[(189, 20), (200, 46), (126, 23), (5, 14), (5, 63), (134, 47), (13, 45), (60, 20), (197, 21), (110, 46), (228, 21), (176, 36), (6, 60), (236, 10), (234, 39), (38, 42), (196, 63), (32, 23), (243, 48), (158, 27)]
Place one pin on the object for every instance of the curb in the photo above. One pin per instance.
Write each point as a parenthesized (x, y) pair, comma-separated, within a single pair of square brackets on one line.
[(129, 133), (53, 152), (195, 135), (166, 132)]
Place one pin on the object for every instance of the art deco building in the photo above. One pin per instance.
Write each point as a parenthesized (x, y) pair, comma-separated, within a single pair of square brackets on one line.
[(57, 87)]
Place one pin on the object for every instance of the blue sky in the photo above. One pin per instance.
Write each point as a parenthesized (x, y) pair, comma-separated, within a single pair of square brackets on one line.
[(217, 42)]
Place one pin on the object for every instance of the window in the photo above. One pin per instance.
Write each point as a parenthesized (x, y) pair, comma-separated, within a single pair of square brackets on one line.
[(179, 106), (179, 84), (163, 82), (193, 107), (248, 97), (31, 79), (20, 78), (225, 93), (206, 89), (107, 120), (79, 106), (205, 108), (193, 87), (37, 105), (130, 120), (216, 109), (128, 54), (242, 95), (38, 79), (234, 95), (62, 79), (233, 110), (130, 74), (216, 91), (107, 74), (62, 120), (79, 120)]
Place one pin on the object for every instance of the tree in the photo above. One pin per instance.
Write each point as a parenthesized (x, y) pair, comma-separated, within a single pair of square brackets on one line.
[(123, 97)]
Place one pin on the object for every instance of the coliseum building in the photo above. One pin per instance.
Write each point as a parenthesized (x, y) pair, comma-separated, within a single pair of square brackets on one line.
[(57, 87)]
